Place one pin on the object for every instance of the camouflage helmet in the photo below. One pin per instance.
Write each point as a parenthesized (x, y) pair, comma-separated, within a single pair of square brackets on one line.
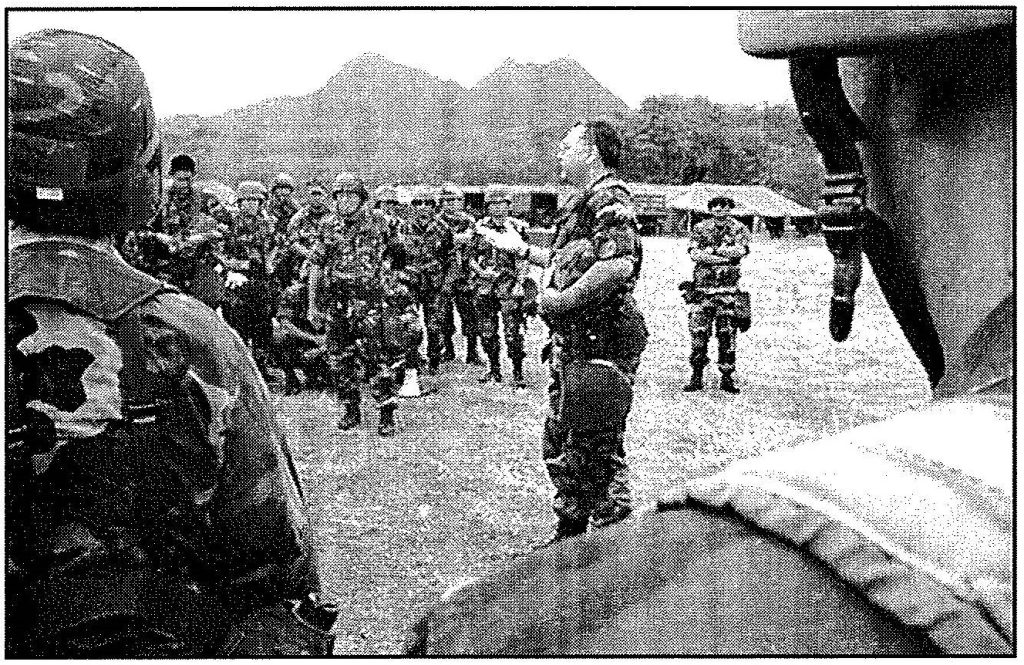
[(349, 183), (251, 190), (386, 194), (496, 194), (84, 154), (283, 180), (450, 192)]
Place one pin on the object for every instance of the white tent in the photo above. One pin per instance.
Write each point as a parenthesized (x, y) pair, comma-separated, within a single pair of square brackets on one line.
[(751, 200)]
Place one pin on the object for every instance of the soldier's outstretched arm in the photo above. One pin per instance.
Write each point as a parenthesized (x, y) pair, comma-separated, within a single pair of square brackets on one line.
[(511, 241)]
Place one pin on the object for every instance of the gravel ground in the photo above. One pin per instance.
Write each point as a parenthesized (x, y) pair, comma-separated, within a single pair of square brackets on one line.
[(461, 488)]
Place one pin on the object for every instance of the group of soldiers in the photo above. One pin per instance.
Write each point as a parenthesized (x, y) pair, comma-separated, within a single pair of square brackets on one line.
[(335, 287), (152, 505)]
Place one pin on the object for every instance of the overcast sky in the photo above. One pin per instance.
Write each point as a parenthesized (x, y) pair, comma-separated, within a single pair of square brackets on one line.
[(209, 61)]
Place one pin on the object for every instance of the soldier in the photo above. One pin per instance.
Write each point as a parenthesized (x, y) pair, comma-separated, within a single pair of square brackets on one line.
[(428, 246), (716, 246), (183, 200), (344, 285), (297, 345), (282, 205), (142, 449), (249, 251), (500, 285), (392, 329), (459, 284), (387, 203), (597, 331), (895, 537)]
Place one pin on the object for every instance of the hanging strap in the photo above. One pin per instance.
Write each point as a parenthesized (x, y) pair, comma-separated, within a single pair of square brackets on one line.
[(850, 228)]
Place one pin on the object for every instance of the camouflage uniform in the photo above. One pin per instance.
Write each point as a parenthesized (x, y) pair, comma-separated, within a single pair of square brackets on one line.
[(459, 283), (587, 463), (249, 249), (428, 244), (181, 248), (715, 291), (296, 343), (351, 292), (391, 329), (498, 279), (151, 461)]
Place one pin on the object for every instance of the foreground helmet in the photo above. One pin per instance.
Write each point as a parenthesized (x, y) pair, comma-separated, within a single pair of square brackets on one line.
[(283, 180), (349, 183), (496, 194), (83, 154), (251, 189), (930, 74), (450, 192)]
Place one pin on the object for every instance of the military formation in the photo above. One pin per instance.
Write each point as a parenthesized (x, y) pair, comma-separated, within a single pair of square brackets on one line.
[(341, 290), (153, 508)]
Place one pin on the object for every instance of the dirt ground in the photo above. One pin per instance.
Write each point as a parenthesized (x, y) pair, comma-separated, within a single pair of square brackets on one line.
[(461, 488)]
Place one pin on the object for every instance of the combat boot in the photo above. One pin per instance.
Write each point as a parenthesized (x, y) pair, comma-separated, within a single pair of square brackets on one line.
[(353, 416), (493, 373), (563, 530), (387, 420), (727, 383), (292, 385), (433, 367), (696, 381), (449, 351), (472, 356), (517, 373)]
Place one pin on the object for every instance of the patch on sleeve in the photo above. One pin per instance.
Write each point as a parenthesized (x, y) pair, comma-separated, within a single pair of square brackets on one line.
[(613, 242), (77, 365)]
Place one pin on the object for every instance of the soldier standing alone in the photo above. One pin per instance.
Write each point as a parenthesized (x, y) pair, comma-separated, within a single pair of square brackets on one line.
[(716, 246), (597, 331)]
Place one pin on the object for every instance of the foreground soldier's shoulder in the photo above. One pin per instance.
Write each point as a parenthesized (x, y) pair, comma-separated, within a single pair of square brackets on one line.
[(214, 346)]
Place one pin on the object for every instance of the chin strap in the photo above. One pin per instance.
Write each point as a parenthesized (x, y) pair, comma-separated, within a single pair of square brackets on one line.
[(850, 228)]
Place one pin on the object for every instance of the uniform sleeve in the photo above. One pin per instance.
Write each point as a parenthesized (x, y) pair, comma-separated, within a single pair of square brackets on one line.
[(258, 513), (742, 235), (699, 238), (615, 225)]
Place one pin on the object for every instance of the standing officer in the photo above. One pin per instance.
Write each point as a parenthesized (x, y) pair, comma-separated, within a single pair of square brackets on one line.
[(895, 537), (428, 245), (500, 277), (597, 331), (459, 283), (344, 283), (142, 453), (716, 246), (249, 252)]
